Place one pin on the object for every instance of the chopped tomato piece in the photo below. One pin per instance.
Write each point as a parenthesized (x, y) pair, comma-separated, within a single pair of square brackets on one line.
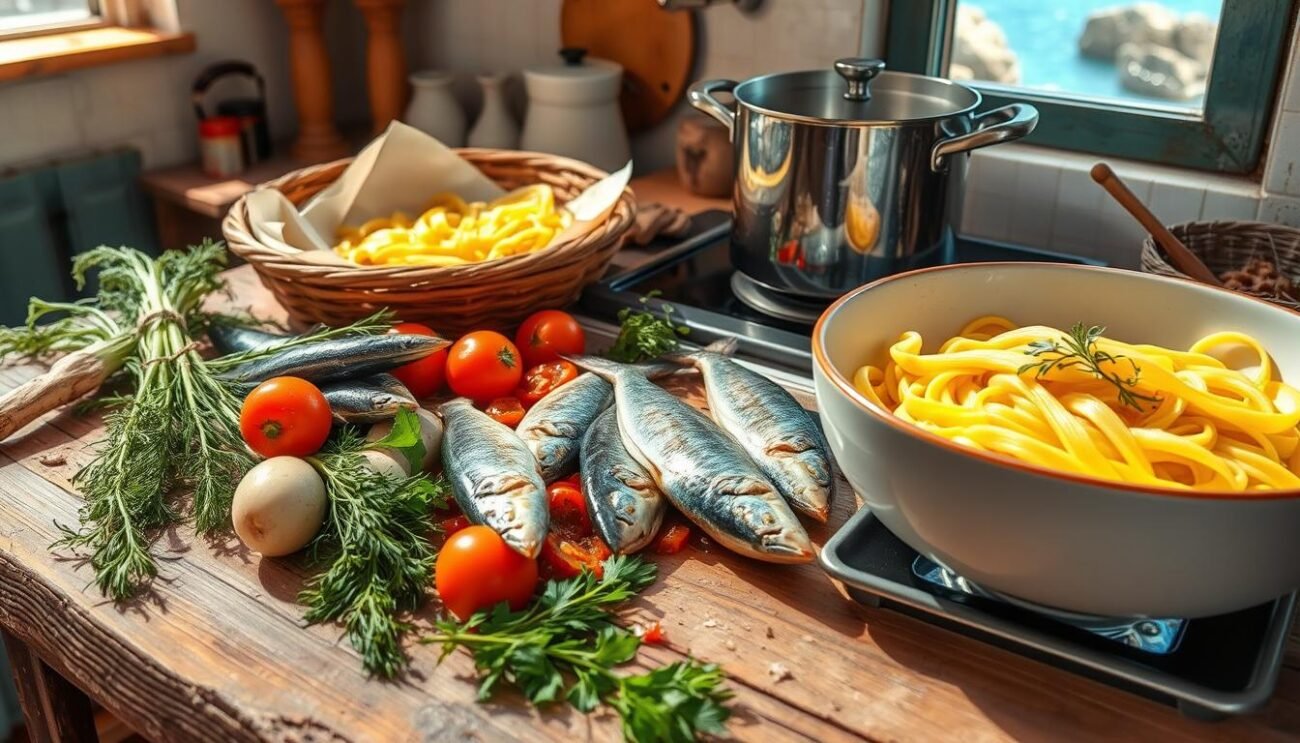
[(566, 559), (454, 524), (653, 634), (542, 379), (569, 517), (506, 411), (672, 539)]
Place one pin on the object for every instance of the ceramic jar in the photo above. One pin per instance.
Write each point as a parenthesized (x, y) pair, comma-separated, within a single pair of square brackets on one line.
[(434, 110), (495, 128), (573, 111)]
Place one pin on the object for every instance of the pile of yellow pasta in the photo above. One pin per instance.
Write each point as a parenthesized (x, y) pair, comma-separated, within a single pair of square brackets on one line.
[(452, 232), (1202, 425)]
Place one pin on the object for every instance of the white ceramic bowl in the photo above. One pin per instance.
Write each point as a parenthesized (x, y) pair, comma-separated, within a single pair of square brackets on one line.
[(1034, 534)]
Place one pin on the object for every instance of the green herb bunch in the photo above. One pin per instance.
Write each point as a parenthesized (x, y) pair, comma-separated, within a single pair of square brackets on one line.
[(643, 335), (374, 545), (1080, 349), (567, 646)]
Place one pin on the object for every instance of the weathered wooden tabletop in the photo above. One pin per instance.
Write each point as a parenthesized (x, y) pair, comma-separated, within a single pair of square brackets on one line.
[(217, 650)]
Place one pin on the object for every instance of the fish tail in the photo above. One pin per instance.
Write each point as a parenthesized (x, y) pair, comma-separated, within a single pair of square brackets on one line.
[(603, 368), (721, 347)]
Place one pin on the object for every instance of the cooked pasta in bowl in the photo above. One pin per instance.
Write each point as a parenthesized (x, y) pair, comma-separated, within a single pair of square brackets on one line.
[(1092, 440)]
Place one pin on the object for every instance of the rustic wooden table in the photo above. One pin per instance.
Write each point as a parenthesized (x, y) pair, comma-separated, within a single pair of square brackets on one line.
[(217, 650)]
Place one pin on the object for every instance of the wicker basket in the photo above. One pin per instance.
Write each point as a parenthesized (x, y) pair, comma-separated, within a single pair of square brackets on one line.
[(1227, 245), (453, 300)]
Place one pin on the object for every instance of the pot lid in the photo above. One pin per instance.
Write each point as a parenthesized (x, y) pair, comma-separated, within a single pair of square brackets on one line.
[(857, 91), (577, 66)]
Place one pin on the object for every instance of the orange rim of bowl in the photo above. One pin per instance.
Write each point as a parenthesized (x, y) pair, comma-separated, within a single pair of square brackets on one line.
[(857, 398)]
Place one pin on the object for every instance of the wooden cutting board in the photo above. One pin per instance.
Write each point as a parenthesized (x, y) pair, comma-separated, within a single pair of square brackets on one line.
[(656, 48)]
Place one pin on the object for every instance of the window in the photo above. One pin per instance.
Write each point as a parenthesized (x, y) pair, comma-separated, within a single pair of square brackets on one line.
[(26, 17), (1181, 82)]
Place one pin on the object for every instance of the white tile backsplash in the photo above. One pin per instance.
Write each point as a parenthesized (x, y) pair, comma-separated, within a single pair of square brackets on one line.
[(1078, 202), (1031, 218), (1280, 210), (1282, 170), (1222, 205), (1173, 202)]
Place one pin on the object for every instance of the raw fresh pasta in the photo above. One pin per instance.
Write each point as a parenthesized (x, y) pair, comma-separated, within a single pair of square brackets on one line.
[(1082, 403), (452, 232)]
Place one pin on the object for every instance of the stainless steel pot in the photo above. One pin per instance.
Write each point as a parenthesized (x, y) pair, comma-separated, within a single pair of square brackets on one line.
[(845, 176)]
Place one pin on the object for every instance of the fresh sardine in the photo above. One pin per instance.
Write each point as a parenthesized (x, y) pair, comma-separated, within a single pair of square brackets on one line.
[(368, 400), (779, 434), (554, 427), (227, 338), (351, 357), (494, 477), (702, 470), (625, 504)]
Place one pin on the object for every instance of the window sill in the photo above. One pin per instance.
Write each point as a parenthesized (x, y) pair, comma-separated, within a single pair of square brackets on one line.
[(35, 56)]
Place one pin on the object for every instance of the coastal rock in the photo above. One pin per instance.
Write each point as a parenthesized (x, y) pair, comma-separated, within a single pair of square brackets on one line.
[(1108, 29), (980, 50), (1160, 72), (1195, 36)]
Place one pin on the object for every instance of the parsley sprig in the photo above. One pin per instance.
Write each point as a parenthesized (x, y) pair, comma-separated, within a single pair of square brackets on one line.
[(643, 335), (567, 646), (1080, 349)]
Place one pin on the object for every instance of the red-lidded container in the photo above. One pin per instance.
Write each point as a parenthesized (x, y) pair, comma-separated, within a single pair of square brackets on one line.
[(220, 146)]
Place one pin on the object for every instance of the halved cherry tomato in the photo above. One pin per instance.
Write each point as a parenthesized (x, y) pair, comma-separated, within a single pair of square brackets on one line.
[(565, 558), (547, 334), (483, 365), (453, 524), (672, 539), (425, 376), (542, 379), (653, 634), (506, 411), (285, 416), (568, 510), (477, 570)]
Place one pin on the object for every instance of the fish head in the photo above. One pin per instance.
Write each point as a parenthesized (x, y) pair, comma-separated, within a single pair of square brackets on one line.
[(764, 520), (805, 478)]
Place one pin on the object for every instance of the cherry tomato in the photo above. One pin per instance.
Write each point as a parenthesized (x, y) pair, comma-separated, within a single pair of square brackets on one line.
[(483, 365), (506, 411), (672, 539), (425, 376), (542, 379), (453, 524), (568, 510), (285, 416), (653, 634), (547, 334), (476, 570)]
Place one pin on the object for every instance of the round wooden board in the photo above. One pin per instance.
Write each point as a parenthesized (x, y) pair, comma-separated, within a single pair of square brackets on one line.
[(655, 46)]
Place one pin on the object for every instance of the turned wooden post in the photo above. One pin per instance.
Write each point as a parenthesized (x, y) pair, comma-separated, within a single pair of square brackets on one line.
[(318, 138), (385, 60)]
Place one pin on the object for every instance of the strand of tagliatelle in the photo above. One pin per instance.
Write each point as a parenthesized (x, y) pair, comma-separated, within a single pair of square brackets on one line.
[(1079, 402)]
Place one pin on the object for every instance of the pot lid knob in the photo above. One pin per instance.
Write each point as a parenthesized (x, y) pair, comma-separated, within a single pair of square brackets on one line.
[(573, 55), (858, 72)]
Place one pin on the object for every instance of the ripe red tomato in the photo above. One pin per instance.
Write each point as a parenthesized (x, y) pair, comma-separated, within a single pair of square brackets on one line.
[(285, 416), (477, 570), (571, 546), (653, 634), (507, 411), (547, 334), (542, 379), (483, 365), (568, 510), (425, 376), (672, 539)]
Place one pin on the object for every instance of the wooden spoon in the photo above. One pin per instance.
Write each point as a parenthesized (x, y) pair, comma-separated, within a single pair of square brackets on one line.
[(1183, 258)]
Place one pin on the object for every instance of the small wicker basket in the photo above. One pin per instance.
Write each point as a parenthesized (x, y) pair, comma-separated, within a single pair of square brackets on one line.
[(452, 300), (1228, 245)]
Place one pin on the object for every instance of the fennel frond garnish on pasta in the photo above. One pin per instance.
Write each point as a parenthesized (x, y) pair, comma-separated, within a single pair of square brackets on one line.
[(1080, 349)]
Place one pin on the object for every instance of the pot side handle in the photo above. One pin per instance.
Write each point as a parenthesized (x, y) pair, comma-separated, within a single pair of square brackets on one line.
[(993, 127), (701, 97)]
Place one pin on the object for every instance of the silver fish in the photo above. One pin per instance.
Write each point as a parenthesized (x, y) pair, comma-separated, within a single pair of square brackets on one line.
[(554, 427), (625, 504), (370, 400), (494, 477), (702, 470), (779, 434)]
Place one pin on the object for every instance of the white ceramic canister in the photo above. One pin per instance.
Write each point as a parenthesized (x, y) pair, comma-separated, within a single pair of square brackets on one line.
[(433, 108), (573, 111), (494, 127)]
